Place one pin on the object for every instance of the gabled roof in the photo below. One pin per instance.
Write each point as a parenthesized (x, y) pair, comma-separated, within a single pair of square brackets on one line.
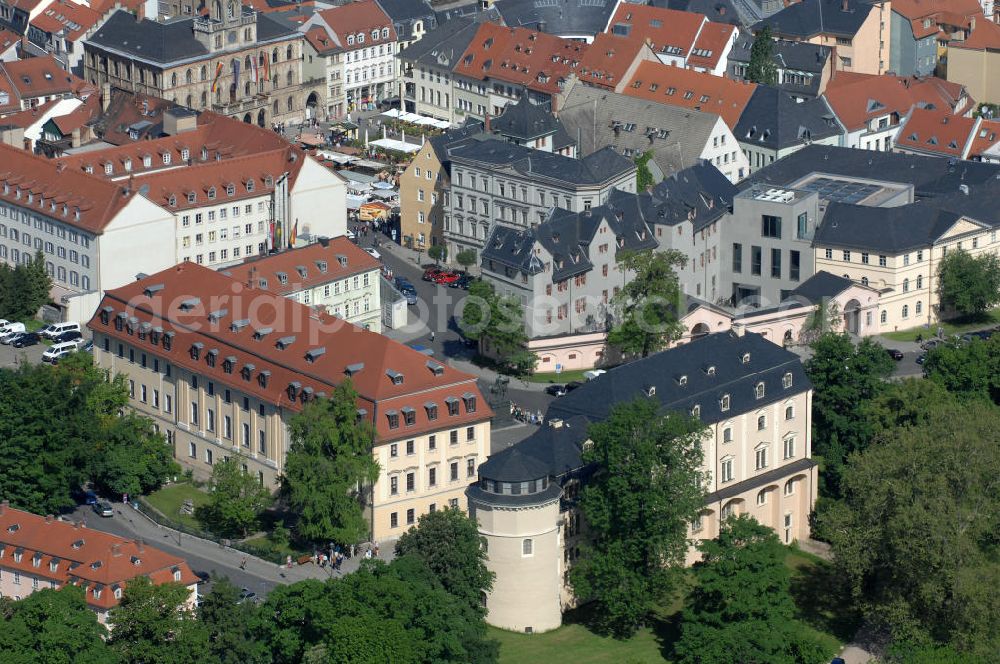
[(567, 18), (360, 17), (549, 451), (986, 139), (791, 56), (822, 286), (62, 15), (524, 121), (986, 36), (603, 118), (809, 18), (687, 88), (609, 58), (405, 13), (889, 230), (536, 60), (38, 77), (669, 31), (711, 44), (858, 98), (723, 353), (774, 120), (300, 351), (305, 267), (936, 131), (70, 553), (596, 168), (699, 194), (442, 46)]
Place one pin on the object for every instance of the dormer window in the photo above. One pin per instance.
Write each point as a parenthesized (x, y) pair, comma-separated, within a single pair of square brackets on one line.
[(106, 315), (230, 190), (282, 277), (395, 377), (168, 339), (54, 565), (470, 402), (120, 321), (759, 390), (196, 350), (696, 410), (268, 181), (393, 418), (36, 560), (262, 378), (247, 371), (166, 158), (786, 380), (293, 390), (746, 358), (724, 403), (108, 168), (409, 416), (682, 380), (128, 164), (185, 154), (192, 197), (172, 201), (710, 370), (228, 364), (177, 575), (147, 161), (452, 403), (432, 410), (211, 193), (210, 357), (250, 185)]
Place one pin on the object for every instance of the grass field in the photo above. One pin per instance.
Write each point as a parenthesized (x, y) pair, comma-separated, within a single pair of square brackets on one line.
[(821, 612), (956, 326), (562, 377), (169, 499)]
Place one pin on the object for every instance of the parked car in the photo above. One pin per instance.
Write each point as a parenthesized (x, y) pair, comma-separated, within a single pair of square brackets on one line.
[(9, 331), (894, 354), (103, 509), (572, 385), (71, 335), (402, 283), (430, 273), (593, 373), (25, 339), (88, 346), (921, 358), (931, 344), (59, 351), (374, 253), (202, 576), (446, 278), (463, 281), (55, 329), (89, 497), (556, 390), (247, 595)]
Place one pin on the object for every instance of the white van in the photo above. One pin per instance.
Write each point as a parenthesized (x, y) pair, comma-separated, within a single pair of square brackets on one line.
[(8, 331), (58, 351), (55, 329)]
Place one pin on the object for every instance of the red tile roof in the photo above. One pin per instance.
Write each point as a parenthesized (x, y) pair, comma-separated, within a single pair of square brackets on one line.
[(320, 40), (858, 98), (83, 114), (309, 258), (302, 352), (64, 15), (360, 17), (26, 118), (670, 31), (987, 136), (536, 60), (77, 198), (8, 38), (607, 60), (986, 36), (43, 76), (676, 86), (72, 553), (936, 131), (711, 44)]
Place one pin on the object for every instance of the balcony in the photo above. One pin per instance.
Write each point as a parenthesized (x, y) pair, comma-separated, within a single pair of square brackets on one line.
[(241, 105)]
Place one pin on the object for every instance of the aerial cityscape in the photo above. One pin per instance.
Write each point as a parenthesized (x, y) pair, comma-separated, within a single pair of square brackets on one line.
[(496, 331)]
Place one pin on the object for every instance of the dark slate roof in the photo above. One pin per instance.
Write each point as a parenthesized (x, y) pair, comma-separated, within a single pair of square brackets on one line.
[(274, 26), (442, 46), (930, 176), (171, 41), (809, 18), (549, 451), (557, 17), (768, 363), (774, 120), (791, 56), (453, 138), (890, 230), (821, 286), (567, 237), (471, 10), (701, 188), (595, 168), (525, 121), (405, 12), (734, 12)]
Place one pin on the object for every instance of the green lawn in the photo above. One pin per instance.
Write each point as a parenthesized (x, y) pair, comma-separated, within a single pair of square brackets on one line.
[(821, 611), (956, 326), (264, 544), (563, 377), (169, 499)]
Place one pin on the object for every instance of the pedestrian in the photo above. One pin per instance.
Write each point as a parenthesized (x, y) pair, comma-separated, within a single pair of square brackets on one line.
[(243, 563), (432, 336), (376, 550), (352, 551), (368, 554), (340, 560)]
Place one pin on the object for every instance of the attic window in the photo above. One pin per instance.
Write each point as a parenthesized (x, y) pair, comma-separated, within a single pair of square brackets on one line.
[(649, 390), (230, 190), (229, 363), (196, 350), (262, 377), (786, 380), (394, 376), (321, 266), (284, 342), (77, 544), (293, 389), (301, 269), (452, 404), (211, 193), (724, 403), (710, 370), (409, 416), (435, 368), (682, 380), (393, 417), (759, 391), (314, 354), (250, 184), (238, 325), (261, 332), (247, 371), (282, 277), (432, 410), (470, 402), (746, 358), (352, 369), (696, 410)]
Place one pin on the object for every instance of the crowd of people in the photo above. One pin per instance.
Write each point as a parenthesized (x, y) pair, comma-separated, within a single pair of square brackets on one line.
[(525, 415)]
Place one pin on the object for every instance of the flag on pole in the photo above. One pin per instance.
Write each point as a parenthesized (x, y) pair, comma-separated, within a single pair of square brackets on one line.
[(218, 73), (293, 235), (270, 236)]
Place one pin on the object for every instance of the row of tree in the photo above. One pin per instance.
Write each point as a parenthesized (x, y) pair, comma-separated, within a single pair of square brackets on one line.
[(422, 607), (24, 288), (67, 425)]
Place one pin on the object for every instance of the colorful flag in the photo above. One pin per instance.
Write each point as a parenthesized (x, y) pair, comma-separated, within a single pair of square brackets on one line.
[(270, 236), (293, 235), (253, 68), (236, 74), (218, 73), (277, 236)]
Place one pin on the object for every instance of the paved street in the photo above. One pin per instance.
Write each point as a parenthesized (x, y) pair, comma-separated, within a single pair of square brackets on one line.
[(204, 556), (9, 357)]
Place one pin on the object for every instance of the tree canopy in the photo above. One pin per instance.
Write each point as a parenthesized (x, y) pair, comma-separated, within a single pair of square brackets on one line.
[(438, 252), (967, 284), (466, 258), (231, 626), (761, 68), (968, 369), (328, 468), (499, 322), (646, 490), (66, 425), (153, 624), (449, 543), (741, 609), (915, 532), (646, 307), (24, 288), (846, 378), (52, 627), (236, 501)]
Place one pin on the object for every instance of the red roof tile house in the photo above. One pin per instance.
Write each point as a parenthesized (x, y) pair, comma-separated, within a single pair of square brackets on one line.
[(38, 552), (943, 134), (28, 83), (221, 365), (871, 108), (60, 29), (920, 26), (685, 39), (502, 64)]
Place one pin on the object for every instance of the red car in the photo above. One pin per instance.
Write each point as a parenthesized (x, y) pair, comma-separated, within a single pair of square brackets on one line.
[(445, 278), (431, 274)]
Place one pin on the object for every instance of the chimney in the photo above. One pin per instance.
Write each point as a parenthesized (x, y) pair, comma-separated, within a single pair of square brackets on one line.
[(76, 525), (139, 544), (739, 329), (105, 97), (843, 5), (48, 518), (4, 506), (116, 550), (486, 122), (556, 423)]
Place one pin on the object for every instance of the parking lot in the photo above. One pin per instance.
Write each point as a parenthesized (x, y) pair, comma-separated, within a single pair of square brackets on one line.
[(9, 357)]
